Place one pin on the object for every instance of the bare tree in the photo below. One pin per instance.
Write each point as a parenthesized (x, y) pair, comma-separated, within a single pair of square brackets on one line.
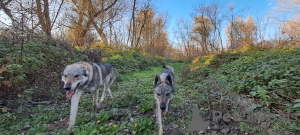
[(132, 24), (184, 36), (143, 18), (201, 30), (241, 32), (216, 16), (233, 26), (43, 13), (289, 6), (34, 13), (84, 15), (4, 6), (248, 30), (291, 28), (262, 23), (22, 19), (138, 22), (108, 18)]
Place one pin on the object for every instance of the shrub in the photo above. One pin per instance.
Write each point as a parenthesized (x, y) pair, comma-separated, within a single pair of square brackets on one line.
[(133, 61), (37, 66)]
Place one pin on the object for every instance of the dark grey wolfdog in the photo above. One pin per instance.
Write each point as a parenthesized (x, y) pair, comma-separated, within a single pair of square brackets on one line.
[(164, 88), (84, 77)]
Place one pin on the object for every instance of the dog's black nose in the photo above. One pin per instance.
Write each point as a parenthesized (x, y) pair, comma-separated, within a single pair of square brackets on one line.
[(68, 87), (163, 106)]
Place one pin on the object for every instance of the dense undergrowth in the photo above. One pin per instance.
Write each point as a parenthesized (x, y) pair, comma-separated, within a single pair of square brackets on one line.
[(132, 61), (39, 64), (269, 76), (33, 75)]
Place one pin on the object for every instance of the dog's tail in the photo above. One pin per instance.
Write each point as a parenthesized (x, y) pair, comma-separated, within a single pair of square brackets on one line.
[(169, 68)]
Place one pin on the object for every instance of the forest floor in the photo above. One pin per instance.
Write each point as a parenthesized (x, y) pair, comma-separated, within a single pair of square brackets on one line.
[(131, 111)]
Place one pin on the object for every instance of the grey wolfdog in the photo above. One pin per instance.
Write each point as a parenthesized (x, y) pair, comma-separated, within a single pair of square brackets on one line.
[(83, 77), (164, 88)]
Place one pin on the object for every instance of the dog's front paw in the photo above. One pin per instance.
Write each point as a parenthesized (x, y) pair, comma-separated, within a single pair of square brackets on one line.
[(160, 132), (70, 127), (165, 115), (99, 106)]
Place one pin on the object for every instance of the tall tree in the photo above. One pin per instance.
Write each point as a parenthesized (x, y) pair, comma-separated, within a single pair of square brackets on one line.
[(215, 14), (248, 30), (108, 18), (291, 28), (145, 27), (34, 13), (43, 13), (241, 32), (202, 29), (184, 36), (133, 25), (85, 13)]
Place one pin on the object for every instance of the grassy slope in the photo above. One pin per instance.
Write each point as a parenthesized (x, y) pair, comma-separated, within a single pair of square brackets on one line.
[(267, 80)]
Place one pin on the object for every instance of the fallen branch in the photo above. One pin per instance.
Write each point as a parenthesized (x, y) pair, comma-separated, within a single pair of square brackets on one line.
[(285, 97), (42, 103)]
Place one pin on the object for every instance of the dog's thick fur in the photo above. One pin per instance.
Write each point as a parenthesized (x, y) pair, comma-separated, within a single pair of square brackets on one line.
[(164, 88), (83, 77)]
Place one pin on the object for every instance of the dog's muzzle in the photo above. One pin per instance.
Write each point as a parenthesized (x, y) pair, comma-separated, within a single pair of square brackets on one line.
[(67, 87), (163, 106), (70, 92)]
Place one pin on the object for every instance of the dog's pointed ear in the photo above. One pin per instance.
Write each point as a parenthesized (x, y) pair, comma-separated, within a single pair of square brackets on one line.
[(84, 73), (84, 68), (169, 79), (156, 80)]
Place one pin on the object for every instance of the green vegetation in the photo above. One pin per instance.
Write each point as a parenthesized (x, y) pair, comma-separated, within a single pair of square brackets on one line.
[(17, 65), (271, 76), (130, 111), (133, 61), (40, 64), (48, 61)]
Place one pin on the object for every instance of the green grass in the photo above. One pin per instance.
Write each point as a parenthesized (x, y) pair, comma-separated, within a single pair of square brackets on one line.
[(130, 111), (31, 120)]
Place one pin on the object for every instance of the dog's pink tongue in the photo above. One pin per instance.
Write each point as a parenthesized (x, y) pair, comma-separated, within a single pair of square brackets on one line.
[(70, 93)]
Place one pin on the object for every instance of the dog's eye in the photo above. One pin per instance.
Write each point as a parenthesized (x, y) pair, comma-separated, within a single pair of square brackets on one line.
[(168, 94), (65, 76), (158, 94), (76, 76)]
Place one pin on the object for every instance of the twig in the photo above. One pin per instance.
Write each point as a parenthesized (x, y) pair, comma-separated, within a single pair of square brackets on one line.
[(287, 98), (42, 103)]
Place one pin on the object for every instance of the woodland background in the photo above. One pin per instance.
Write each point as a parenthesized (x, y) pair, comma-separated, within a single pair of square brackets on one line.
[(224, 60)]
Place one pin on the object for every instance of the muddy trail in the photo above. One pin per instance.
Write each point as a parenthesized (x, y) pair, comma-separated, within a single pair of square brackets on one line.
[(131, 111)]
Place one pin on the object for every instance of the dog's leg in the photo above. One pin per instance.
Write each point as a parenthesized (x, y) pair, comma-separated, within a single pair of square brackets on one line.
[(109, 92), (95, 101), (74, 107), (167, 109), (159, 121), (102, 97), (109, 82)]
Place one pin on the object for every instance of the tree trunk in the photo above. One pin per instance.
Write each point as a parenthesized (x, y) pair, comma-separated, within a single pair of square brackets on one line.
[(100, 33), (44, 17)]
